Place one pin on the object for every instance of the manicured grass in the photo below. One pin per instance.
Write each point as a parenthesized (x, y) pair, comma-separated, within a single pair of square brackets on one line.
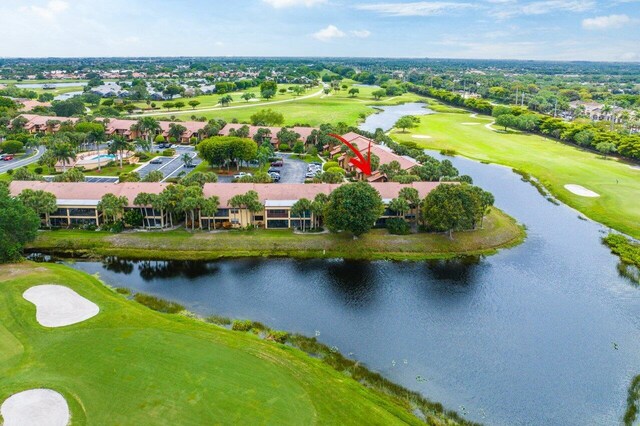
[(499, 231), (114, 170), (130, 365), (553, 163), (334, 108), (208, 101)]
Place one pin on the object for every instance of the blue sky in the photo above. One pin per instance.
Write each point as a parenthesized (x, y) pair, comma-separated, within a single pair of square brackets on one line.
[(501, 29)]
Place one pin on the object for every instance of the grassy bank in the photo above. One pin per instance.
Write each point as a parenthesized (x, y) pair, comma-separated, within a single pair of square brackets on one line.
[(169, 368), (499, 231), (553, 163)]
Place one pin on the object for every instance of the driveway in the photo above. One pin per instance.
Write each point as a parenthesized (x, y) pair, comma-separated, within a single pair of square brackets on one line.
[(19, 162)]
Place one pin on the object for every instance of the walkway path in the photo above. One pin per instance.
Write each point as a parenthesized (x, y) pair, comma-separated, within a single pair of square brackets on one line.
[(218, 108)]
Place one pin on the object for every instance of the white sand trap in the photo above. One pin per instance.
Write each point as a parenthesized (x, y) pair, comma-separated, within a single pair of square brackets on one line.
[(57, 306), (634, 167), (36, 407), (421, 136), (581, 190), (469, 124)]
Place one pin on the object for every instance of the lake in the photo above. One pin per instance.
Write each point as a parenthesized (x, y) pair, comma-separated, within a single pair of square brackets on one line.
[(545, 333), (388, 115)]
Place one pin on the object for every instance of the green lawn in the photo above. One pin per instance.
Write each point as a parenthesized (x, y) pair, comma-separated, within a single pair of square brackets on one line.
[(333, 108), (208, 101), (130, 365), (499, 231), (553, 163)]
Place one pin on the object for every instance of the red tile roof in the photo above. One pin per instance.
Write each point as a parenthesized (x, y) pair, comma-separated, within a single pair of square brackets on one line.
[(225, 191), (304, 132)]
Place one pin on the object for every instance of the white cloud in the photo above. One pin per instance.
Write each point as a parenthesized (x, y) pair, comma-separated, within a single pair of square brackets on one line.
[(605, 22), (544, 7), (278, 4), (49, 11), (420, 8), (361, 33), (329, 33)]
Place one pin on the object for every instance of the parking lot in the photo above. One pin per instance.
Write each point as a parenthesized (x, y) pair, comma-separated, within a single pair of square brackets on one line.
[(171, 166), (293, 170)]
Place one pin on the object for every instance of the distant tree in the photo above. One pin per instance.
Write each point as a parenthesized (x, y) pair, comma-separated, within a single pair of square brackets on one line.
[(193, 104), (399, 206), (210, 207), (318, 208), (353, 92), (168, 105), (267, 117), (287, 137), (68, 108), (268, 87), (247, 96), (506, 121), (179, 105), (353, 207), (226, 100), (378, 94), (407, 122)]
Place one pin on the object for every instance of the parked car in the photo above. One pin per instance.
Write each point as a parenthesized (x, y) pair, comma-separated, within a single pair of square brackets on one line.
[(316, 163), (275, 176), (156, 161), (312, 174), (7, 157), (273, 170), (241, 175), (190, 166), (278, 163)]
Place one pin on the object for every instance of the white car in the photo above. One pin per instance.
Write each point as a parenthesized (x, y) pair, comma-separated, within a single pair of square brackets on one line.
[(241, 175)]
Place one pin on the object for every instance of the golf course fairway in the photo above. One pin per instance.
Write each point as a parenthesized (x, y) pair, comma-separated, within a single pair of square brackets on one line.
[(130, 365)]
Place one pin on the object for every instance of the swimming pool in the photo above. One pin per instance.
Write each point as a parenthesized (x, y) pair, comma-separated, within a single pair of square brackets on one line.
[(104, 157)]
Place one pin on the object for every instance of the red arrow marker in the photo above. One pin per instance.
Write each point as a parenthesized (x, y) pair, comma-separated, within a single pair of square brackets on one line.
[(360, 162)]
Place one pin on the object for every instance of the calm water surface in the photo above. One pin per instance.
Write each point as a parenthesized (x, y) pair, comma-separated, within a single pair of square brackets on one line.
[(523, 337), (390, 114)]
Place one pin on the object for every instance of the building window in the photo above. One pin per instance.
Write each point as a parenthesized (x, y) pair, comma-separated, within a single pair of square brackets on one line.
[(258, 217), (82, 212), (277, 224), (222, 213), (306, 213), (278, 213), (59, 212)]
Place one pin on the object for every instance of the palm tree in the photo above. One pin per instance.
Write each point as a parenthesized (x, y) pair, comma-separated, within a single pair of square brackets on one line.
[(120, 145), (209, 209), (143, 200), (186, 159), (147, 126), (63, 152)]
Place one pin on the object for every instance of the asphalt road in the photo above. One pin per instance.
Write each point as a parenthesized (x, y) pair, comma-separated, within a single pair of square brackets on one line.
[(17, 162), (171, 166)]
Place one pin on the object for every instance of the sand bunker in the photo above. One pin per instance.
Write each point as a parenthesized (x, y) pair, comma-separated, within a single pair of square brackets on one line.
[(421, 136), (57, 306), (36, 407), (581, 190), (470, 124)]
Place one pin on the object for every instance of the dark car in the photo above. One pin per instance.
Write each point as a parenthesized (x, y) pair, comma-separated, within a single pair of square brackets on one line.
[(156, 161), (273, 170), (278, 163), (190, 166)]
